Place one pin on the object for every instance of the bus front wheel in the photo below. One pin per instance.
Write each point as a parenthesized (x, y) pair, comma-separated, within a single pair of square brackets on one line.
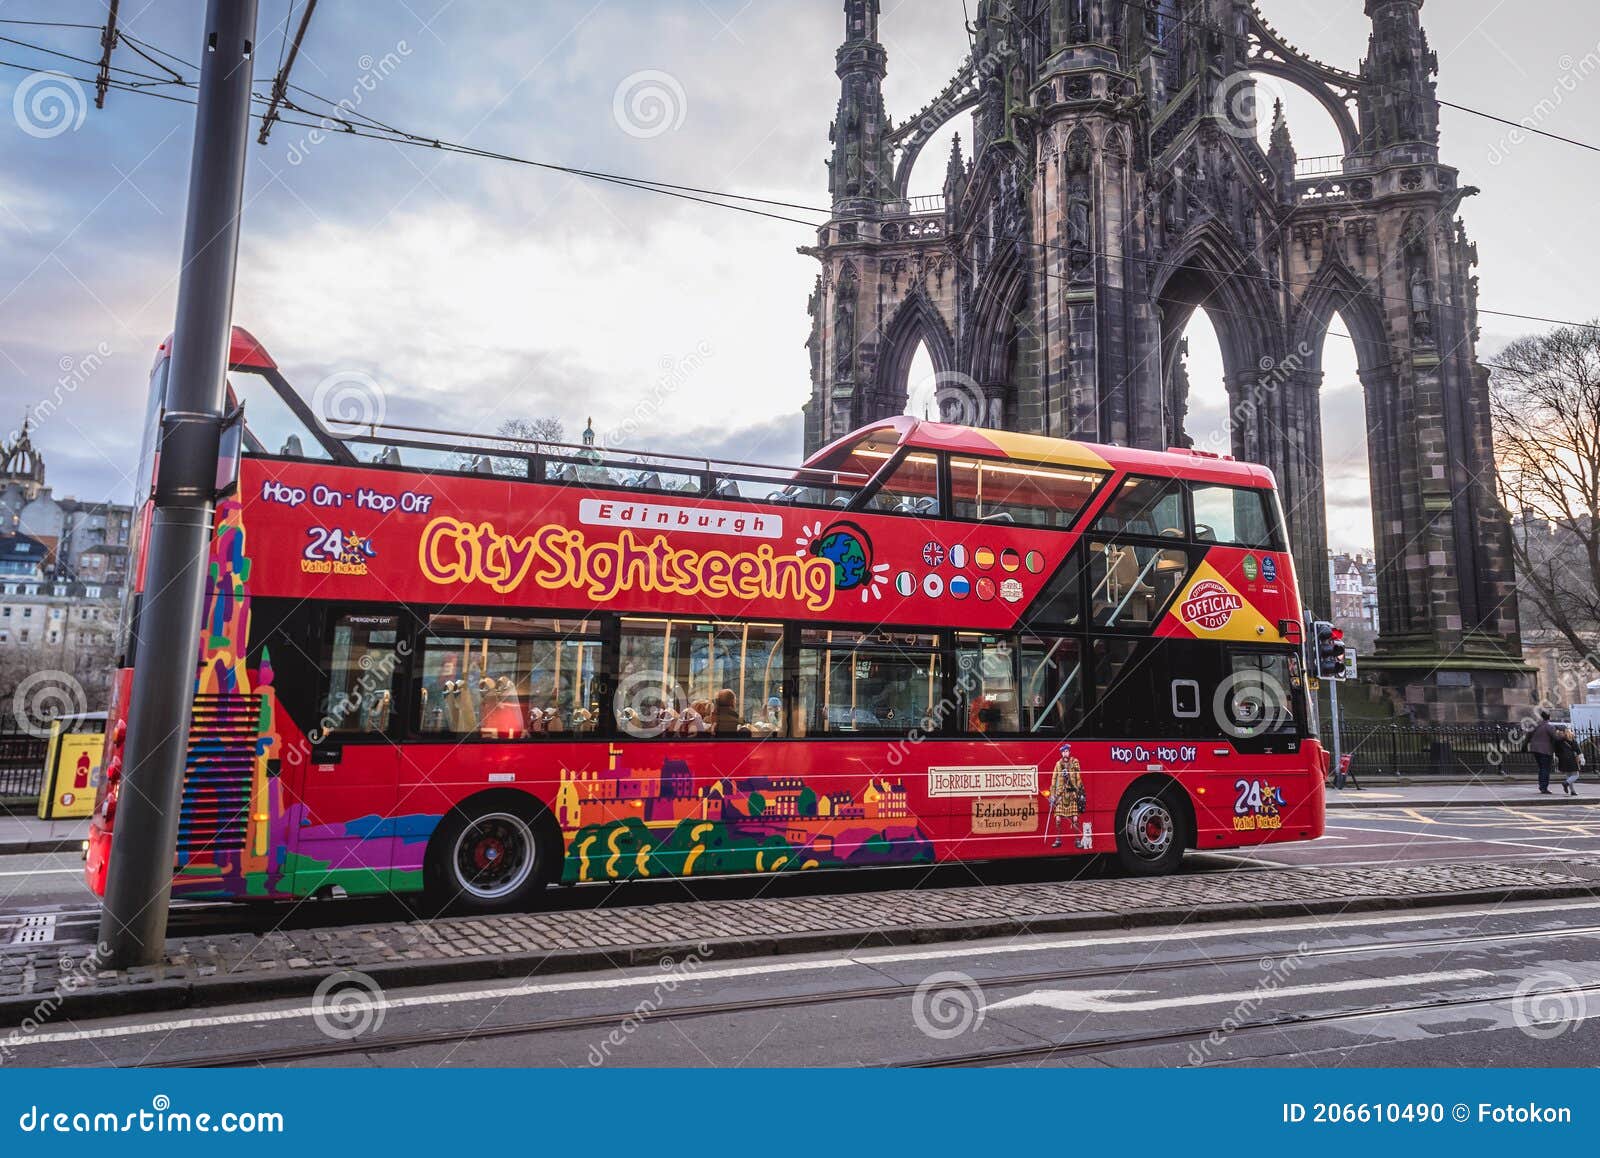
[(490, 856), (1152, 829)]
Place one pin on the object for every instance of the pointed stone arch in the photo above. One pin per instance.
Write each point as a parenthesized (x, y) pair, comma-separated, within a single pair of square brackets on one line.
[(1205, 274), (1337, 290), (915, 323), (998, 321)]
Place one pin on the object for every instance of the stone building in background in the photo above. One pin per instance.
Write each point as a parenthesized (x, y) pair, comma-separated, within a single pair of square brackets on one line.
[(1353, 586), (1114, 182), (63, 569)]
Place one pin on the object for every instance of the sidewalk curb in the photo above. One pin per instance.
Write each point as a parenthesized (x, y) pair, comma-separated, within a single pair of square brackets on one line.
[(54, 844), (157, 996)]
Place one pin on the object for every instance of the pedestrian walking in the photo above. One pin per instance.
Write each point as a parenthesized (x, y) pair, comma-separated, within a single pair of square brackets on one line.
[(1569, 760), (1542, 743)]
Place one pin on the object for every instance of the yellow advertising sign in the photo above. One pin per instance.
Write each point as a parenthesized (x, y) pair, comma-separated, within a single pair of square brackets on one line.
[(71, 772)]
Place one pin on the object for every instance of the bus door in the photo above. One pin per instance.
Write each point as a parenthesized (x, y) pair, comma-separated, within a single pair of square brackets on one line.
[(344, 804)]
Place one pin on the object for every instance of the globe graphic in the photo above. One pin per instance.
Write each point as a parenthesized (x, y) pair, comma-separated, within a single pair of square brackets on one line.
[(848, 556)]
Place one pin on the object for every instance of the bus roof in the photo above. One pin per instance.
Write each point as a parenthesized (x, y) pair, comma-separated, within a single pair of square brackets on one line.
[(243, 351), (925, 435)]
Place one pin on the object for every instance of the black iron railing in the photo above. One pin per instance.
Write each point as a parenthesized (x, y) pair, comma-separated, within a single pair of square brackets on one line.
[(1489, 751), (21, 765)]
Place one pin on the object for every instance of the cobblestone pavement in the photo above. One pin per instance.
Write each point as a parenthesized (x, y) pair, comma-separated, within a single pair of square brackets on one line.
[(528, 941)]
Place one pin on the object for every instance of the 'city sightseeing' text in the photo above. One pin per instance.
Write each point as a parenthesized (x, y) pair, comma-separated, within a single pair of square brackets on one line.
[(555, 557)]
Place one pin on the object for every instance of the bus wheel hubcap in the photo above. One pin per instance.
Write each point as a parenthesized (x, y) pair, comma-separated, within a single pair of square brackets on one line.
[(1150, 829), (494, 856)]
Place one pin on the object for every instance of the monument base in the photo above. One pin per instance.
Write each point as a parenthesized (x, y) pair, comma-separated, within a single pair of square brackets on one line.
[(1452, 691)]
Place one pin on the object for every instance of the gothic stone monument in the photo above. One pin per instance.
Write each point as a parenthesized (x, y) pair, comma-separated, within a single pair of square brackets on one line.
[(1116, 184)]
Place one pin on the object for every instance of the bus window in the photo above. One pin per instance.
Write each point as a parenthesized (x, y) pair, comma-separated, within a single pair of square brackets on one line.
[(1126, 700), (913, 488), (1235, 517), (868, 683), (1131, 585), (986, 684), (686, 677), (510, 679), (1052, 686), (1259, 699), (1060, 605), (363, 659), (271, 427), (1152, 507), (1007, 492)]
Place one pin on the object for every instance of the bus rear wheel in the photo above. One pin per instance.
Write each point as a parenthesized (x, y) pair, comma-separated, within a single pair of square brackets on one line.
[(491, 858), (1152, 829)]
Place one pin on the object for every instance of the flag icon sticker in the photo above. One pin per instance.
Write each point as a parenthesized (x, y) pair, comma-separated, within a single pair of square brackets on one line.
[(960, 586), (905, 583)]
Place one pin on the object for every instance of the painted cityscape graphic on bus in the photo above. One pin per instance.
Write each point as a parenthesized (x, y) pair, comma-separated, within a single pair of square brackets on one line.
[(630, 822)]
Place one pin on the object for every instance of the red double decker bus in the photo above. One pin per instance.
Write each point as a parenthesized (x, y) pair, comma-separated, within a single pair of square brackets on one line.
[(478, 666)]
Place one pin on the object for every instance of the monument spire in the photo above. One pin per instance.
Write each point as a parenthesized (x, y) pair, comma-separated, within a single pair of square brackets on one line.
[(1399, 104), (861, 172)]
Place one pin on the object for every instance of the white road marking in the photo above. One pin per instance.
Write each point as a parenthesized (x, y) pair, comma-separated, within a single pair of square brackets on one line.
[(634, 980), (1101, 1000), (1422, 838), (44, 872)]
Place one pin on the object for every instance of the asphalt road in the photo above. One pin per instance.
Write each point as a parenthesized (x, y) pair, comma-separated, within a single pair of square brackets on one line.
[(1412, 835), (1502, 985), (53, 883)]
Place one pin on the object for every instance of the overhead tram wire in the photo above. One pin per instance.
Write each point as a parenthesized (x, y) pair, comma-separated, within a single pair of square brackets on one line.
[(176, 78), (378, 130), (660, 188), (283, 41), (84, 60), (115, 85), (52, 24)]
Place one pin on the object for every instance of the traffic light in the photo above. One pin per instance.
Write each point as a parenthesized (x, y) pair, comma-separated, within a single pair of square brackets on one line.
[(1331, 659)]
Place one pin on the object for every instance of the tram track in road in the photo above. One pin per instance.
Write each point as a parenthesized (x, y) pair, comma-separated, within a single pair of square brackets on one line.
[(1047, 1051), (424, 1038)]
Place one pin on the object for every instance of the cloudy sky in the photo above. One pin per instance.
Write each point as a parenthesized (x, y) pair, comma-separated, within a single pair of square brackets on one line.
[(474, 290)]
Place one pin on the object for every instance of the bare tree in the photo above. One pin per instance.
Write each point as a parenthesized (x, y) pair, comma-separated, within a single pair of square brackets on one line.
[(542, 432), (1546, 410), (533, 435)]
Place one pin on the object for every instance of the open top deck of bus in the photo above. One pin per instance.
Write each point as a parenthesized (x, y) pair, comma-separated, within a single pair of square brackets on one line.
[(839, 475)]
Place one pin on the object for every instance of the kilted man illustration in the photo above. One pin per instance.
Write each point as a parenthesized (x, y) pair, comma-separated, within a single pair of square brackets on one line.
[(1067, 798)]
